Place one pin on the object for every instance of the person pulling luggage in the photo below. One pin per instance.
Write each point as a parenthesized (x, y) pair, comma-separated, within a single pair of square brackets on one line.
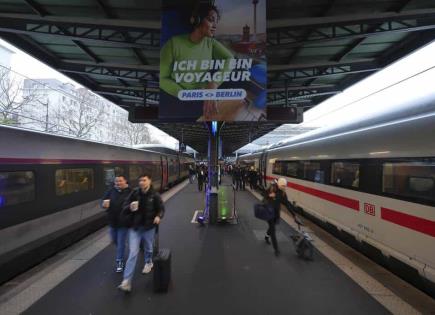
[(113, 200), (276, 195), (144, 208)]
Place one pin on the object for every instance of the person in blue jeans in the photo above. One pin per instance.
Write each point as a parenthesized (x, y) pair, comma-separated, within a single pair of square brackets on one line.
[(113, 201), (144, 208)]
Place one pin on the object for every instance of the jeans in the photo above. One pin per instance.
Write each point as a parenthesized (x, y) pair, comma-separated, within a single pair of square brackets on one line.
[(134, 238), (118, 236)]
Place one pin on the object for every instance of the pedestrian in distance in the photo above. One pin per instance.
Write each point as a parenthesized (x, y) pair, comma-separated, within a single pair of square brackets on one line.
[(245, 177), (276, 195), (252, 179), (238, 178), (144, 208), (113, 200), (191, 174), (201, 176)]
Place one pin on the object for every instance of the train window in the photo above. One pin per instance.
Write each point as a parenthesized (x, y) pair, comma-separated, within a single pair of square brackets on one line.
[(415, 180), (74, 180), (278, 168), (110, 173), (16, 187), (291, 169), (134, 173), (286, 168), (312, 172), (345, 174)]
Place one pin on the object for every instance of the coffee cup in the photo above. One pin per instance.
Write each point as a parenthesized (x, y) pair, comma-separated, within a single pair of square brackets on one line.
[(106, 203), (134, 205)]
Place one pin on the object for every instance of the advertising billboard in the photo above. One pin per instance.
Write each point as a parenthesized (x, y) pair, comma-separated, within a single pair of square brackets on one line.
[(213, 61)]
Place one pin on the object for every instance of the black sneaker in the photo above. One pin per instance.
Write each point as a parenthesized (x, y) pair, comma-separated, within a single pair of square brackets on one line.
[(277, 253), (267, 239), (119, 266)]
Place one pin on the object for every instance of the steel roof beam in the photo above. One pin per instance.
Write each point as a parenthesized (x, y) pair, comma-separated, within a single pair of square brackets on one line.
[(300, 88), (397, 7), (39, 9), (94, 33), (350, 31), (120, 66), (133, 25), (279, 98), (132, 94), (283, 67), (322, 71), (106, 9), (108, 71), (123, 82), (318, 22), (87, 51)]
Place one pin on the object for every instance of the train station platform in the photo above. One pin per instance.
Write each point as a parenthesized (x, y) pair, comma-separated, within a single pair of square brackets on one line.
[(222, 269)]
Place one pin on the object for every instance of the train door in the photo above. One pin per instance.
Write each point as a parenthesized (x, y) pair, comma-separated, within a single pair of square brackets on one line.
[(164, 160)]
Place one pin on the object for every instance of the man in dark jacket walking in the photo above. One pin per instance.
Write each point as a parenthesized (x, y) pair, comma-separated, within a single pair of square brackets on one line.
[(202, 176), (113, 201), (144, 209), (253, 178), (276, 193), (237, 177)]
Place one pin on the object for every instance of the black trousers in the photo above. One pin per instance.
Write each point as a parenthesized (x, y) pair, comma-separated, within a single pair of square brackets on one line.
[(271, 232), (238, 184), (200, 184)]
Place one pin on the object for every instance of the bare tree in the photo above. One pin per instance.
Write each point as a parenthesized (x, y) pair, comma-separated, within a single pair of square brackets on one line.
[(137, 133), (82, 115), (13, 97)]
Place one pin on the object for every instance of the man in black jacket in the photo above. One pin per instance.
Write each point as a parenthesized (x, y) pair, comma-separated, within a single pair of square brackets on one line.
[(202, 177), (143, 209), (279, 197), (237, 177), (113, 201)]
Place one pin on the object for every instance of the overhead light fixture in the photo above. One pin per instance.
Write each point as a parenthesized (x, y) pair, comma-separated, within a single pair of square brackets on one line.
[(379, 153)]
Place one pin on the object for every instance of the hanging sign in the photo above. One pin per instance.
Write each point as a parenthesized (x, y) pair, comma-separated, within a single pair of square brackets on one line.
[(213, 61)]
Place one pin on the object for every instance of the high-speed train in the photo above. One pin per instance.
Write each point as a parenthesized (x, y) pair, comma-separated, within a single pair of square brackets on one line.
[(50, 186), (373, 186)]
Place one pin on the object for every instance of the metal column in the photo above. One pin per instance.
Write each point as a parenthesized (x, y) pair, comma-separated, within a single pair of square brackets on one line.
[(213, 165)]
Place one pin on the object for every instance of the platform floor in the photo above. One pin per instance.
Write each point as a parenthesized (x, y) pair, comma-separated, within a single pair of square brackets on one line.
[(225, 269)]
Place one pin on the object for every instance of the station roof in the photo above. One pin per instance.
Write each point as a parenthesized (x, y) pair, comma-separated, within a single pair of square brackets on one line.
[(316, 48)]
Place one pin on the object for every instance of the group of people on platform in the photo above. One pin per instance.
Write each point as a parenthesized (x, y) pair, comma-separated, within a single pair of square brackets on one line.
[(134, 214), (200, 172), (243, 175)]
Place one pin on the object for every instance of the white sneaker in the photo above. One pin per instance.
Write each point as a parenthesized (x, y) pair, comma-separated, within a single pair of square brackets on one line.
[(125, 286), (147, 268)]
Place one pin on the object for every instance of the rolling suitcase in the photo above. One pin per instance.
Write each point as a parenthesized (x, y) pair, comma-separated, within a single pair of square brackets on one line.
[(162, 267)]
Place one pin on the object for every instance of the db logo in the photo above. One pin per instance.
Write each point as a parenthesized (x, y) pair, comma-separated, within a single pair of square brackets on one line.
[(369, 209)]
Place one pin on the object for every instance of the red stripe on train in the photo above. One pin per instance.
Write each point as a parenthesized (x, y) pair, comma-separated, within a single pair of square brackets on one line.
[(340, 200), (409, 221), (72, 161)]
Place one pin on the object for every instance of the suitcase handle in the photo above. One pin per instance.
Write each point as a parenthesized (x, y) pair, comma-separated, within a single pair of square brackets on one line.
[(156, 240)]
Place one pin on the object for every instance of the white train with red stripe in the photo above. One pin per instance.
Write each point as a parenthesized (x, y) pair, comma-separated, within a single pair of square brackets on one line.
[(50, 187), (372, 185)]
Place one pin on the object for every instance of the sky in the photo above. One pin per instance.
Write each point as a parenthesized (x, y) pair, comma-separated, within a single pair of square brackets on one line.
[(237, 13), (32, 68)]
